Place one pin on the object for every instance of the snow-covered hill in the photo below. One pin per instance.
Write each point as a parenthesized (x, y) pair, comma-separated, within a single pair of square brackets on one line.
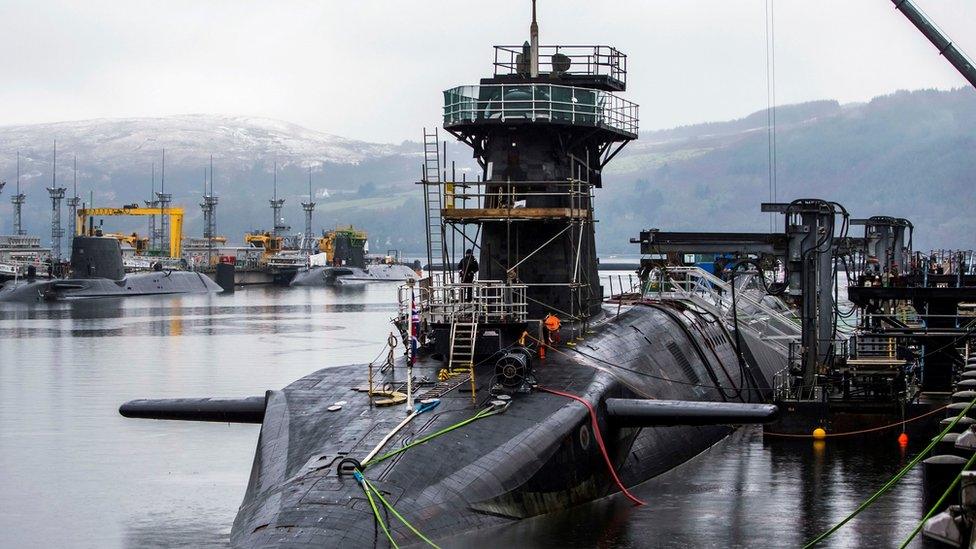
[(188, 139), (117, 159)]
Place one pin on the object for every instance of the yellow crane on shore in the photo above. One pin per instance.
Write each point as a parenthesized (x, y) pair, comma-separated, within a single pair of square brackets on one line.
[(175, 225)]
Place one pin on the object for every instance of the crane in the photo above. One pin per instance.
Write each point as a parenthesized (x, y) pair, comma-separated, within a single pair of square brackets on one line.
[(175, 227), (938, 38)]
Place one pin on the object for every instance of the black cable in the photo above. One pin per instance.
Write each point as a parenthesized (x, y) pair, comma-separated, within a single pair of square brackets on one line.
[(735, 315), (698, 350)]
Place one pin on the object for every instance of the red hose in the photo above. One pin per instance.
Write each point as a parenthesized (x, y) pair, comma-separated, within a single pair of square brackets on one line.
[(599, 441)]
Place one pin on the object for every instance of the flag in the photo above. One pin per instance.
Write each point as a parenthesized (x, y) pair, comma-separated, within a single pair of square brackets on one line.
[(414, 323)]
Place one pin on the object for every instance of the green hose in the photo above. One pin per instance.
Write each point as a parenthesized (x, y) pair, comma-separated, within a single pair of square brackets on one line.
[(867, 503), (371, 490), (376, 512), (398, 515), (938, 503), (481, 414)]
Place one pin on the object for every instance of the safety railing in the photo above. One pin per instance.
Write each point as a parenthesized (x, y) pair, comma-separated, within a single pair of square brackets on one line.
[(288, 260), (19, 241), (487, 301), (18, 267), (776, 327), (539, 103), (786, 385), (132, 264), (570, 193), (594, 61)]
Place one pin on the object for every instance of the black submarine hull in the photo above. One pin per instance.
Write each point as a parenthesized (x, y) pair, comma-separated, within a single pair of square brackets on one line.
[(96, 263), (337, 276), (137, 284), (540, 455)]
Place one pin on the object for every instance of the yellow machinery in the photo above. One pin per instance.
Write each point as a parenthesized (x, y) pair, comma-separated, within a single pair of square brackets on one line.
[(270, 244), (327, 242), (175, 221), (139, 243)]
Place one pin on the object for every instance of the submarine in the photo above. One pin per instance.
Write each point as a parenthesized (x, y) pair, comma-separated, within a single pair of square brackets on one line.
[(346, 263), (98, 271), (523, 392)]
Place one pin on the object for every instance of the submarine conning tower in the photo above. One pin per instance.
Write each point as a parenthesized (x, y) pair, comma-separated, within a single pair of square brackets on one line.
[(542, 128), (96, 257)]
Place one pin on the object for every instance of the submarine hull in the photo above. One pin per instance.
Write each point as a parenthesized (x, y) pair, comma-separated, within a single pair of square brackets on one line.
[(333, 276), (137, 284), (540, 455)]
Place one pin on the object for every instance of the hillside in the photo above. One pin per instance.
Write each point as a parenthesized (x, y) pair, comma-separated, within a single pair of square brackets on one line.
[(906, 154), (353, 181)]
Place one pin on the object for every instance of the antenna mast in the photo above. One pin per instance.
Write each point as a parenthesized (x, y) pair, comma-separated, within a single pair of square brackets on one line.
[(534, 45), (74, 201), (209, 207), (18, 201), (276, 204), (308, 242), (163, 199), (152, 203), (57, 195)]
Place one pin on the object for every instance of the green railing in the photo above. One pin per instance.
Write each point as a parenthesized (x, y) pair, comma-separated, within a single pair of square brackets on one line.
[(539, 103)]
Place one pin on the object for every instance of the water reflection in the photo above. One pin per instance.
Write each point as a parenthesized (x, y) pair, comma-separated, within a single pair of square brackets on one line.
[(68, 459), (66, 456), (743, 492)]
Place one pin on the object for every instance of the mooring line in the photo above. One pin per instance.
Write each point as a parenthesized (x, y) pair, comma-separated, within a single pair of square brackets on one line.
[(874, 497), (938, 504), (861, 431)]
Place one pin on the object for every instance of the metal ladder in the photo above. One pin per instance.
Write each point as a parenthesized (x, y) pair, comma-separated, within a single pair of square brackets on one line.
[(464, 335), (433, 203), (463, 338)]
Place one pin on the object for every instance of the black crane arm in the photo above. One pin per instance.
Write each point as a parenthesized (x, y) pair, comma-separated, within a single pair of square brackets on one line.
[(938, 39)]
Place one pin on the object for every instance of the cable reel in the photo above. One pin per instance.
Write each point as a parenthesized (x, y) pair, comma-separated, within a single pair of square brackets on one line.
[(513, 372)]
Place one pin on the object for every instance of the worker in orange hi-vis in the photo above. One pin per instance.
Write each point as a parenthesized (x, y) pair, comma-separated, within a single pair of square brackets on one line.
[(552, 324)]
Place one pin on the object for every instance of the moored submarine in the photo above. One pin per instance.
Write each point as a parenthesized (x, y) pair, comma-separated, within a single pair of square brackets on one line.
[(98, 271), (345, 263), (499, 411)]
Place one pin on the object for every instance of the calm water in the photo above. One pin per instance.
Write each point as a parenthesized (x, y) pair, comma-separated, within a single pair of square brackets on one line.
[(73, 473)]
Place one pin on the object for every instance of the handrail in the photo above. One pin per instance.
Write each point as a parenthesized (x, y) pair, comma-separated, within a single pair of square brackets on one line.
[(506, 194), (16, 241), (584, 60), (539, 103), (491, 301), (777, 328)]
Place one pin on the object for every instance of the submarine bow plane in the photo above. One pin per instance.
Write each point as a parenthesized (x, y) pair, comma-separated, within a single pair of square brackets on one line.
[(625, 391)]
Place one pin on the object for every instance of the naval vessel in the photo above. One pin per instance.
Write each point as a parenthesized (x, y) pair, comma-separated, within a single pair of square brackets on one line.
[(344, 261), (521, 392), (98, 271)]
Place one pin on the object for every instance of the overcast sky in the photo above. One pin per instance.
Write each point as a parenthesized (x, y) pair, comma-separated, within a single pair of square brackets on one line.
[(374, 70)]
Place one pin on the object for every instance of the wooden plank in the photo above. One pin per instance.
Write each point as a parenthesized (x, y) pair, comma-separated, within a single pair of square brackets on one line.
[(511, 213), (879, 361)]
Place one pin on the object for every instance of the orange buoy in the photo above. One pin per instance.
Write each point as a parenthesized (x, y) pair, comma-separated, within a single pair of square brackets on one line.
[(819, 433), (903, 439)]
